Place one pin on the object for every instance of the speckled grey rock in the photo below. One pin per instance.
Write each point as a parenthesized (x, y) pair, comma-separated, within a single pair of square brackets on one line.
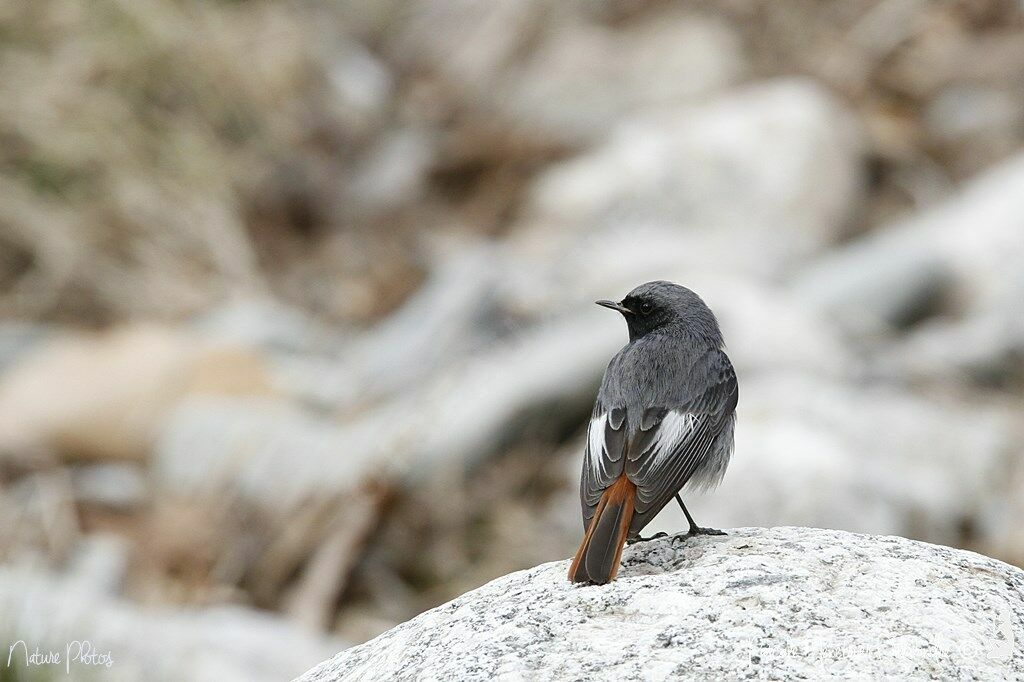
[(780, 603)]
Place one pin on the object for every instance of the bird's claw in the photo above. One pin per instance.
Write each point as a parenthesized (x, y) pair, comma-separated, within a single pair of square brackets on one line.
[(696, 530), (634, 540)]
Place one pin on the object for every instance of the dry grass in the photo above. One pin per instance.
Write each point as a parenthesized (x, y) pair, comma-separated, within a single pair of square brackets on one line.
[(158, 155)]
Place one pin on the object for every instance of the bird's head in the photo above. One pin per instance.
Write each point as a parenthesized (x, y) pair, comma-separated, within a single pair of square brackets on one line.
[(659, 305)]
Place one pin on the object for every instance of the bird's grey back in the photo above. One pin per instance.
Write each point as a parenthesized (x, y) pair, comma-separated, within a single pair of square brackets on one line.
[(653, 371)]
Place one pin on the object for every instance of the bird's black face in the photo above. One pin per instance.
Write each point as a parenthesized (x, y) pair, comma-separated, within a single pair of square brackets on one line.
[(644, 312), (657, 305)]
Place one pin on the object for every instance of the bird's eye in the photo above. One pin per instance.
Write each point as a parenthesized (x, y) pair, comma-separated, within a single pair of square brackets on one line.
[(646, 308)]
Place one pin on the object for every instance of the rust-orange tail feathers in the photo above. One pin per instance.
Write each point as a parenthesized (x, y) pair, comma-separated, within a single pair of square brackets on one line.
[(597, 560)]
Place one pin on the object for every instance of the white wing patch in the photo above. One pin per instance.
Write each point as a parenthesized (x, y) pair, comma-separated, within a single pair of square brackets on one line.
[(671, 432), (596, 445)]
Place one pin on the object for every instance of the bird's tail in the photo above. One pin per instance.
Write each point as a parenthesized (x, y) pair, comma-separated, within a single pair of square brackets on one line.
[(597, 560)]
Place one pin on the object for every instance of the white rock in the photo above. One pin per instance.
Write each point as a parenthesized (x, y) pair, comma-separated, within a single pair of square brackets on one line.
[(780, 603)]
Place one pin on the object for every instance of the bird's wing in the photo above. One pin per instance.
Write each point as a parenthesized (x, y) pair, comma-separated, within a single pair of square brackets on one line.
[(602, 459), (673, 440)]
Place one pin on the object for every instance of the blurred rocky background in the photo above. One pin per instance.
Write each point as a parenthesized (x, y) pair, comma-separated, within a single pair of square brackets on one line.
[(296, 325)]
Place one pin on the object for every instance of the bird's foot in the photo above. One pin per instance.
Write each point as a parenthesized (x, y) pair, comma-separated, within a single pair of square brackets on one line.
[(634, 540), (697, 530)]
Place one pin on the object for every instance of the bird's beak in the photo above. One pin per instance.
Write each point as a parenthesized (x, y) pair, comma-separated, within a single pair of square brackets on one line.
[(615, 306)]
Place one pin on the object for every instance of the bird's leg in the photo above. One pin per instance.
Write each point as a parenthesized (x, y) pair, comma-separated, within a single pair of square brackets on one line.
[(694, 528), (638, 538)]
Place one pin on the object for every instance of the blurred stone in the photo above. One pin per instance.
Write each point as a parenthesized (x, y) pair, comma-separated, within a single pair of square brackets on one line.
[(115, 486), (985, 345), (963, 111), (544, 378), (970, 250), (17, 338), (754, 180), (780, 603), (467, 43), (44, 527), (99, 564), (556, 71), (279, 458), (362, 84), (444, 321), (265, 451), (457, 312), (583, 77), (768, 331), (222, 644), (103, 396), (394, 173), (264, 323), (885, 280)]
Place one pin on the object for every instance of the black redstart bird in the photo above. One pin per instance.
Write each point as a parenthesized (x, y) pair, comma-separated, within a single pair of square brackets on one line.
[(664, 418)]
